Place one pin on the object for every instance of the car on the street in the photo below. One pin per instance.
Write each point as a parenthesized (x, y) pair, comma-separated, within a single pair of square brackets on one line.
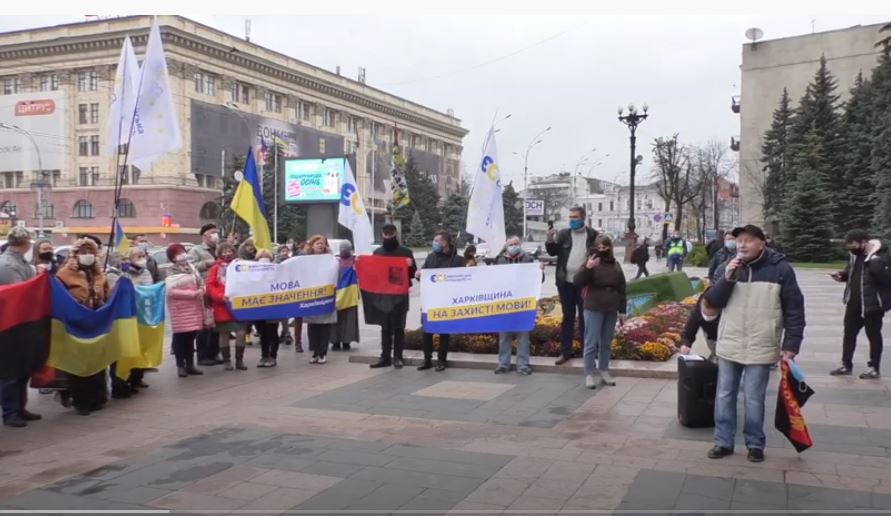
[(538, 251)]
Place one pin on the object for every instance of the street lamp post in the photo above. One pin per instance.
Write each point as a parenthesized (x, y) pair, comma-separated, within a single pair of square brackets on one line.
[(582, 160), (41, 183), (632, 120), (535, 141)]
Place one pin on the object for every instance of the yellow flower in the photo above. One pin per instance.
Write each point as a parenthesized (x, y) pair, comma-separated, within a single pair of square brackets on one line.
[(655, 351)]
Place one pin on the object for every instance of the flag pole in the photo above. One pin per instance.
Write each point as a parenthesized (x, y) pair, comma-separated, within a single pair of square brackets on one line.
[(275, 191)]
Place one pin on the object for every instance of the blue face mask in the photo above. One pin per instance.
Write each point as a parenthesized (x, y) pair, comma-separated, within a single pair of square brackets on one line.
[(436, 247), (514, 250), (575, 224), (730, 245)]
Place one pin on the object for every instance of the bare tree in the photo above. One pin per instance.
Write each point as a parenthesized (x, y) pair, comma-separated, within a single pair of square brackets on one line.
[(676, 177)]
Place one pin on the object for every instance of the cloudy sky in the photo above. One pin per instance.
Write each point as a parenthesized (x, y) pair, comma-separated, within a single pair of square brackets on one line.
[(567, 72)]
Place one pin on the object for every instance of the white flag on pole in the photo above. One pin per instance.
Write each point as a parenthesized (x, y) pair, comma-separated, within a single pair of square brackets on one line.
[(485, 215), (157, 129), (352, 213), (123, 99)]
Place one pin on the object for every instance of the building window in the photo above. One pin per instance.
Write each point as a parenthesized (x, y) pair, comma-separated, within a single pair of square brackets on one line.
[(94, 113), (84, 177), (330, 117), (94, 176), (57, 176), (600, 206), (273, 102), (13, 179), (49, 82), (88, 81), (305, 111), (205, 83), (239, 93), (126, 210), (209, 211), (82, 210), (48, 211), (83, 146), (82, 113), (8, 208), (94, 145), (7, 86), (612, 206)]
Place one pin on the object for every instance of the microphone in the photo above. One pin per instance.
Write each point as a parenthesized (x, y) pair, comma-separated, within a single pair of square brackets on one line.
[(734, 274)]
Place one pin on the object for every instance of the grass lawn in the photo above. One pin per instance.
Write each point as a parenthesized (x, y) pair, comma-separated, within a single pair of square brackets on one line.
[(833, 266)]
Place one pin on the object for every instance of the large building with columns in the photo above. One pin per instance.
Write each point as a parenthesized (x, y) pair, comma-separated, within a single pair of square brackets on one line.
[(56, 83)]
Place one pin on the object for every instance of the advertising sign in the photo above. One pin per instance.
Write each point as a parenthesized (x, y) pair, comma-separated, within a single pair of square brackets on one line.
[(39, 116), (535, 208), (313, 179)]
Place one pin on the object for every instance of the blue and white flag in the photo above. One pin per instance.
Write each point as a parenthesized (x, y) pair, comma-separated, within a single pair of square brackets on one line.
[(157, 130), (123, 100), (480, 299), (485, 214), (352, 214), (302, 286)]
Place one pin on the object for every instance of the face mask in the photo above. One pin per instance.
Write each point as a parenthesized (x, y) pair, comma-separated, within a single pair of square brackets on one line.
[(858, 251), (575, 224), (215, 238), (605, 254), (144, 247), (436, 247), (264, 260), (47, 256), (181, 258), (514, 250), (140, 263), (730, 245), (390, 243), (86, 260), (345, 254), (228, 258), (29, 255)]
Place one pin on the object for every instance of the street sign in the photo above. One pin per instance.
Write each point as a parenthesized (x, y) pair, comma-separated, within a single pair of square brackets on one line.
[(657, 218), (668, 217), (534, 208)]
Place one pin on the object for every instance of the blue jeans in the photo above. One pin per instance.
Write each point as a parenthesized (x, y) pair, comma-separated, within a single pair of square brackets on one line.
[(675, 262), (505, 341), (12, 396), (571, 302), (754, 388), (599, 330)]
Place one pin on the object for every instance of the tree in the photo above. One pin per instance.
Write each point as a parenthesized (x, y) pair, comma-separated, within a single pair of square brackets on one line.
[(291, 217), (806, 226), (880, 138), (854, 207), (454, 213), (776, 159), (513, 211), (424, 201), (417, 235), (675, 176), (817, 114)]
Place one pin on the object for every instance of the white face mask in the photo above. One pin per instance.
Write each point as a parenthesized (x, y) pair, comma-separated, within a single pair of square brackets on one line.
[(181, 258), (140, 263), (29, 254), (264, 260), (215, 238), (86, 260)]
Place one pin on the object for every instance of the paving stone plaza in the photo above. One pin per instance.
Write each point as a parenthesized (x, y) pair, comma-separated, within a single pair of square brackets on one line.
[(342, 437)]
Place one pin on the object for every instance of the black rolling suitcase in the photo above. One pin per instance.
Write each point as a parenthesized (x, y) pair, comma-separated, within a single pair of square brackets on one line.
[(697, 382)]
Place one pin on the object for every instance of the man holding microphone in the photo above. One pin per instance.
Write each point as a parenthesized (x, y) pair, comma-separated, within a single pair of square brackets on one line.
[(762, 320)]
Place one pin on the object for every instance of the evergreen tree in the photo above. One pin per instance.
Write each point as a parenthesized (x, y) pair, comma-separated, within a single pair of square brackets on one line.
[(880, 139), (775, 157), (807, 227), (513, 211), (454, 214), (424, 201), (854, 207), (817, 113), (417, 236)]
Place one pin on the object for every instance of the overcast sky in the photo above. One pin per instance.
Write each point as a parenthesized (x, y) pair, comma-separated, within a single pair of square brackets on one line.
[(568, 72)]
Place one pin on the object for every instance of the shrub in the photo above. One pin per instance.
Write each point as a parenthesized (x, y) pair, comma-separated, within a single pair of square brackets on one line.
[(698, 257)]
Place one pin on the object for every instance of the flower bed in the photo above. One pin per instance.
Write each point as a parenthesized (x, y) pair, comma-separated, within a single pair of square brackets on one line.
[(655, 335)]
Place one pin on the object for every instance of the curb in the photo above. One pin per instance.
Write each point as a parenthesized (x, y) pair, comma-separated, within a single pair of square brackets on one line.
[(620, 368)]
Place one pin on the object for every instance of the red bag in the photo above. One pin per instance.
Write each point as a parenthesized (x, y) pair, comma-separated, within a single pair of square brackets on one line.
[(44, 377)]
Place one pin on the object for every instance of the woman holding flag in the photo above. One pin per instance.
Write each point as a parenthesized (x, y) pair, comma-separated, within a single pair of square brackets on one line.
[(347, 328)]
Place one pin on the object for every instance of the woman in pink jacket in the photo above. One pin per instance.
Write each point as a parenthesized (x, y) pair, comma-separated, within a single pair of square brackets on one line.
[(185, 302)]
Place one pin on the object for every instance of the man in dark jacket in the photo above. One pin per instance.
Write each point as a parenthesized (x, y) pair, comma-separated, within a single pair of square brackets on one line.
[(640, 256), (721, 256), (762, 320), (393, 326), (715, 244), (570, 246), (444, 256), (867, 297)]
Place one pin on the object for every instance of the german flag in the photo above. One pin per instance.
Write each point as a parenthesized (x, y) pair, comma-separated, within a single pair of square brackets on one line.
[(25, 326), (384, 284)]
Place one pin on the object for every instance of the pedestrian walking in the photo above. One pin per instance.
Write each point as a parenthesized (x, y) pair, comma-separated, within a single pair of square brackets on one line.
[(640, 256)]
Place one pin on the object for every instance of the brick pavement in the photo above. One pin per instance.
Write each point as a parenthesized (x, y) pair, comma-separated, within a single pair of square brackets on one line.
[(343, 437)]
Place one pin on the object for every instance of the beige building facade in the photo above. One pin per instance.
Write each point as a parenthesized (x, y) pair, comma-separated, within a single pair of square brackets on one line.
[(771, 65), (228, 94)]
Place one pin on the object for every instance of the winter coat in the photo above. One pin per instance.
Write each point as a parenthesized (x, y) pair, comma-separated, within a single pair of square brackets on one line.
[(443, 260), (140, 276), (199, 255), (14, 268), (875, 279), (505, 259), (400, 251), (640, 256), (88, 287), (216, 291), (762, 310), (184, 303), (721, 257), (562, 246), (606, 287)]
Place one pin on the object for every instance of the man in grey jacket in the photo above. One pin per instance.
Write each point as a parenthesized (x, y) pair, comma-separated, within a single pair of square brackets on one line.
[(762, 320), (14, 269), (203, 256)]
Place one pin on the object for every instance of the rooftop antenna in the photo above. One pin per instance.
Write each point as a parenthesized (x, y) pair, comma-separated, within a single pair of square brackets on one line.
[(754, 34), (247, 30), (813, 25), (362, 74)]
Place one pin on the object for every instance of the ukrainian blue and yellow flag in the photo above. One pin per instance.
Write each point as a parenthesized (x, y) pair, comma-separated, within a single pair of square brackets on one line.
[(248, 204), (121, 242), (150, 327), (85, 341), (347, 290)]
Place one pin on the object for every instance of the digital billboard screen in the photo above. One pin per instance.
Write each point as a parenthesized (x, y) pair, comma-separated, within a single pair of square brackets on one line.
[(313, 179)]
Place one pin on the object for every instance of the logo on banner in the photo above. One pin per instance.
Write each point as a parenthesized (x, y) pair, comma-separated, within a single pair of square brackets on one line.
[(490, 168), (350, 197), (449, 278)]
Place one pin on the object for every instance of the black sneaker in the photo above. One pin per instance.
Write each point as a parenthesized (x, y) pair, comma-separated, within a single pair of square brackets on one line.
[(207, 362), (841, 371), (870, 374), (440, 367), (15, 421), (756, 455), (425, 366), (719, 452), (335, 346), (379, 364), (397, 363)]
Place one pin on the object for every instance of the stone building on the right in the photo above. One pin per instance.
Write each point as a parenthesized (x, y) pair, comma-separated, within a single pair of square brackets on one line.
[(767, 67)]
